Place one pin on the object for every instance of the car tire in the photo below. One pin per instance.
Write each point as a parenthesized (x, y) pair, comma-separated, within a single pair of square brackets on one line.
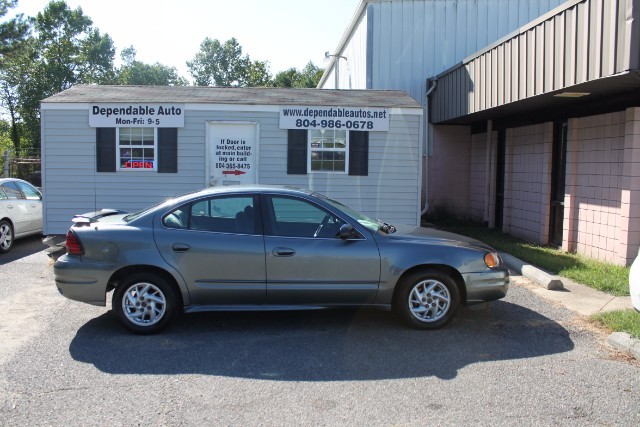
[(145, 303), (6, 236), (426, 299)]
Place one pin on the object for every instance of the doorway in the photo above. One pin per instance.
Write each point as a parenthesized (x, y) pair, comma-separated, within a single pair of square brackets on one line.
[(558, 171), (501, 156), (233, 153)]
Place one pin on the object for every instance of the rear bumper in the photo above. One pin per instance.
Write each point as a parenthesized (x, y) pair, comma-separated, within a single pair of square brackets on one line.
[(81, 281), (486, 286)]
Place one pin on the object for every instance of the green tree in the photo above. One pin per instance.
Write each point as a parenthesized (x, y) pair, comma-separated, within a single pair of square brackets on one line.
[(65, 51), (69, 50), (309, 77), (13, 32), (258, 74), (134, 72), (13, 38), (218, 64)]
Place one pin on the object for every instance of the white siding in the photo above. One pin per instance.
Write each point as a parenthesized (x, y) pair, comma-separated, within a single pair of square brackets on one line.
[(71, 184), (389, 192)]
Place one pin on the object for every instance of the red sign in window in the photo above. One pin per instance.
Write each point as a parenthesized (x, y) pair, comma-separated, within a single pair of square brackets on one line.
[(138, 164)]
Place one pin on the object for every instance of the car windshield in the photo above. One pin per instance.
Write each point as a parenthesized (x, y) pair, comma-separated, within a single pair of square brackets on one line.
[(365, 221)]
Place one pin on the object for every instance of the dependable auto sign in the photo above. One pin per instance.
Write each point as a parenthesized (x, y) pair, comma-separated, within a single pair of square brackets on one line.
[(137, 115), (345, 118)]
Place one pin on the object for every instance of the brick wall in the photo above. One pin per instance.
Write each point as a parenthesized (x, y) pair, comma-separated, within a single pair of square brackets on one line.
[(528, 182)]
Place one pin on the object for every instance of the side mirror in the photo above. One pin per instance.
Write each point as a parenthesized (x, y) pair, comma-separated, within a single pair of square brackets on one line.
[(347, 232)]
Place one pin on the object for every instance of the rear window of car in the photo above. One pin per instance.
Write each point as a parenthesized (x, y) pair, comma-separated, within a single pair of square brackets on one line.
[(11, 190)]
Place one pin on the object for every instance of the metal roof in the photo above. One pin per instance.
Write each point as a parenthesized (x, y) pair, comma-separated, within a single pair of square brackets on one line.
[(234, 95), (586, 48)]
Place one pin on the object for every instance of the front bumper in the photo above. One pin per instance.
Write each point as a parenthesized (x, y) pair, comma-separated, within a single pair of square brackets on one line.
[(82, 281), (486, 286)]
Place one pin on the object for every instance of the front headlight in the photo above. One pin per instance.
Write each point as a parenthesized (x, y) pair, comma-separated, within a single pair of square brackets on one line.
[(492, 259)]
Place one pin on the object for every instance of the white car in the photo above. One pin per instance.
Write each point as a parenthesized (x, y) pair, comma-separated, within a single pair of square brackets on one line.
[(20, 211), (634, 282)]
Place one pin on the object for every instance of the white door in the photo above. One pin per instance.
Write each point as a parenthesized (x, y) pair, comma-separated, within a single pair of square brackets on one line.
[(233, 153)]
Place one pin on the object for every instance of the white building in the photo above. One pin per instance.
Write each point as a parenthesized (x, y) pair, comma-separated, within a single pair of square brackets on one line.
[(129, 147)]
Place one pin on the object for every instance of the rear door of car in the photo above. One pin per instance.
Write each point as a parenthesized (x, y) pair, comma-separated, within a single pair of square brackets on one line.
[(17, 208), (310, 264), (217, 245)]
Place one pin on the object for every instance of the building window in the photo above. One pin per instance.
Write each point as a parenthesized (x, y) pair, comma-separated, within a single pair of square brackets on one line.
[(137, 149), (299, 148), (328, 150)]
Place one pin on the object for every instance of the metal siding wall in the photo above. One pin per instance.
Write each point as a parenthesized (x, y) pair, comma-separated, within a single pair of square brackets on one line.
[(417, 84), (353, 71), (413, 40), (576, 45), (570, 47), (629, 40)]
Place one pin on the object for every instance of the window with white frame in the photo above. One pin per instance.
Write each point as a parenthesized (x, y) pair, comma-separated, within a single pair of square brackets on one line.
[(137, 149), (328, 150)]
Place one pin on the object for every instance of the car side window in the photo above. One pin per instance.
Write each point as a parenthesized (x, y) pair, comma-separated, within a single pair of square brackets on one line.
[(178, 218), (11, 190), (293, 217), (232, 214), (30, 192)]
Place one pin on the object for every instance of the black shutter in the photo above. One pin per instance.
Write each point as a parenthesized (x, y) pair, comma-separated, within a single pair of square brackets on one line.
[(297, 152), (359, 153), (106, 149), (167, 150)]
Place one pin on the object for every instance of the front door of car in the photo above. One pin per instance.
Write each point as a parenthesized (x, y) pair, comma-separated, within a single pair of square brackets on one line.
[(33, 204), (307, 261), (217, 245), (17, 208)]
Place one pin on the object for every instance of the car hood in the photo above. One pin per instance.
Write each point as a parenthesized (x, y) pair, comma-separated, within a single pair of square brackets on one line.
[(435, 236)]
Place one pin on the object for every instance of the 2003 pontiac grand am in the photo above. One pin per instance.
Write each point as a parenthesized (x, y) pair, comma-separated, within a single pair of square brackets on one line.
[(270, 248)]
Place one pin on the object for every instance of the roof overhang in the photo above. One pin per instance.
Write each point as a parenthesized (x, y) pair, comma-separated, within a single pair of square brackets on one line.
[(582, 57)]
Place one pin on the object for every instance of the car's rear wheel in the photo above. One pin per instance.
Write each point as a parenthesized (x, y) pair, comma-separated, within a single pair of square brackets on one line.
[(427, 299), (6, 236), (145, 303)]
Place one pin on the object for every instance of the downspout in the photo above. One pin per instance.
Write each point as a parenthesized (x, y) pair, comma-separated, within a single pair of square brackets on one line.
[(427, 138)]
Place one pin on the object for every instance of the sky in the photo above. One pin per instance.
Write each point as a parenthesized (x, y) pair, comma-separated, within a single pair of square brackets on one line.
[(287, 33)]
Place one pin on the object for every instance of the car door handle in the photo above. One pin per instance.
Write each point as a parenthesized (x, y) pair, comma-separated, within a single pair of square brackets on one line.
[(180, 247), (284, 252)]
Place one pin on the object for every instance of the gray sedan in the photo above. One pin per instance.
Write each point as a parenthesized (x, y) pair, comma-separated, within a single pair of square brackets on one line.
[(270, 248)]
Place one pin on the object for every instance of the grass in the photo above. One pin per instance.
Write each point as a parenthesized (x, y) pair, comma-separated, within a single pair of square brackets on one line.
[(609, 278), (620, 321)]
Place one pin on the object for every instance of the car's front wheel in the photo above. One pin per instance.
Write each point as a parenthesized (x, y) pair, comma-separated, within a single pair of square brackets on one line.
[(145, 303), (427, 299), (6, 236)]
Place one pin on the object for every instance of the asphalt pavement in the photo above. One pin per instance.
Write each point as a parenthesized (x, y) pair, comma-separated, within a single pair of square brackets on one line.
[(575, 297), (525, 359)]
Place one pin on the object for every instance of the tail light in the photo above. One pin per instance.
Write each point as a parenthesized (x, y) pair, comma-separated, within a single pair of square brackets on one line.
[(73, 244)]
